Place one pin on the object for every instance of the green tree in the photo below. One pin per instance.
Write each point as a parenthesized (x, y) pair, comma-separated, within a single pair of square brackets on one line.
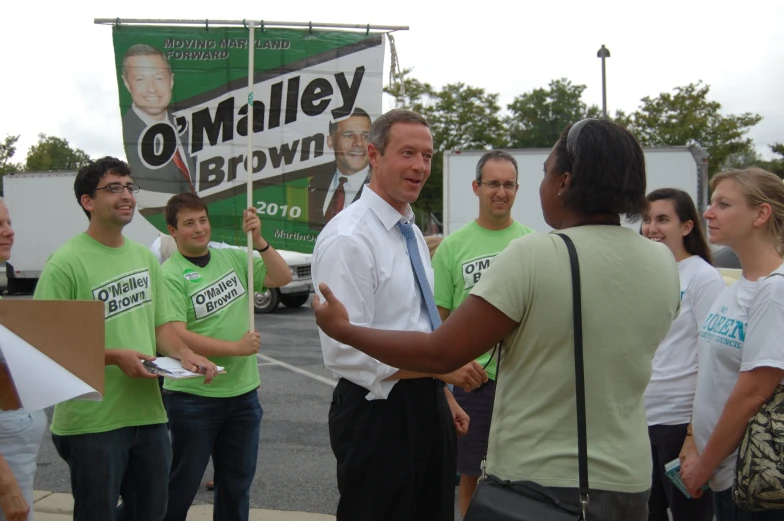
[(776, 165), (7, 151), (460, 117), (753, 158), (538, 117), (743, 159), (54, 153), (412, 94), (687, 117)]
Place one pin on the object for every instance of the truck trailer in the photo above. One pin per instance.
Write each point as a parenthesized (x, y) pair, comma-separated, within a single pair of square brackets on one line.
[(666, 167)]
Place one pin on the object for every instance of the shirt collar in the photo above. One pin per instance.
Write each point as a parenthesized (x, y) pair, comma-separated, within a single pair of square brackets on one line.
[(147, 119), (354, 181), (388, 216)]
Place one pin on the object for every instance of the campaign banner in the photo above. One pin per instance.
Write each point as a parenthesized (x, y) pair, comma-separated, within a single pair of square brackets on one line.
[(184, 106)]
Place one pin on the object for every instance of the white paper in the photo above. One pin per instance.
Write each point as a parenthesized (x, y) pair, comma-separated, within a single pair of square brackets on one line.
[(175, 368), (40, 381)]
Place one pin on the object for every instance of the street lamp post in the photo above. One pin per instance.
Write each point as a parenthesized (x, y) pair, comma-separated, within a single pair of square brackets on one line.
[(603, 53)]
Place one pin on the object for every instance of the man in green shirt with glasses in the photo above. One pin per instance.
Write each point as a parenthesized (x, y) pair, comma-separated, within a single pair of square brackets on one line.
[(118, 447), (458, 264)]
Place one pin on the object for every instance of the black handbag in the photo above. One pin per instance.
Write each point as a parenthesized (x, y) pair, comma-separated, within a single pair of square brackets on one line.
[(501, 500)]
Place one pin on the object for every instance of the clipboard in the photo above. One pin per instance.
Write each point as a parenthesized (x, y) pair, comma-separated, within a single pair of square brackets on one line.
[(172, 368)]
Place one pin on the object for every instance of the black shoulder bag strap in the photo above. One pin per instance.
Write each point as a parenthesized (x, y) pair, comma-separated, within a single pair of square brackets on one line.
[(579, 373), (579, 377)]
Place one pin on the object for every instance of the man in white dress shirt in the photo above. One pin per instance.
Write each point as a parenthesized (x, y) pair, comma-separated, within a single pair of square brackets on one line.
[(393, 432)]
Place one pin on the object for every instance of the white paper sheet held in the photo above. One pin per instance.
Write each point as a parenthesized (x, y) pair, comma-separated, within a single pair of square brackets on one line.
[(172, 368), (40, 381)]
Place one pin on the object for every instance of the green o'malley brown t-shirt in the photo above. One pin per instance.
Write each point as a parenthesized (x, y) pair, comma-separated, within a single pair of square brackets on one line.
[(129, 282)]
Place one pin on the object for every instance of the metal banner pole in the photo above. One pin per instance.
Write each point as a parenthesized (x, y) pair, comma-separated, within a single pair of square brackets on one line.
[(265, 23)]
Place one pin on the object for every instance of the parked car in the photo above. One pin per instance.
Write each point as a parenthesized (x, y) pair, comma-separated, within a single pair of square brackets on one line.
[(295, 293), (725, 260)]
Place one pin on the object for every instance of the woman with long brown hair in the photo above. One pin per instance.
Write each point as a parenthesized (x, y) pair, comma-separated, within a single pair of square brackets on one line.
[(673, 220)]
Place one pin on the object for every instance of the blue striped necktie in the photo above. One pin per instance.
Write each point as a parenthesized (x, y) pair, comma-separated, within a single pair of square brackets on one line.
[(419, 269)]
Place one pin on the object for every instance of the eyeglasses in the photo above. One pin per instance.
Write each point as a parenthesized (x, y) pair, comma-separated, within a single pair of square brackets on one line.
[(117, 188), (495, 185)]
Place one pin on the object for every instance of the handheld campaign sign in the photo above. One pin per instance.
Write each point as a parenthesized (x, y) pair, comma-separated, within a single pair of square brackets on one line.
[(52, 351)]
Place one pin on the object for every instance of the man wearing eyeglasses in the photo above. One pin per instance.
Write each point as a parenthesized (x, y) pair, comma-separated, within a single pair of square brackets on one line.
[(118, 447), (458, 265)]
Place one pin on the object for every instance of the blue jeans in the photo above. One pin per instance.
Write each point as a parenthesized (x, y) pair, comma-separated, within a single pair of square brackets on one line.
[(726, 510), (21, 434), (131, 462), (226, 428)]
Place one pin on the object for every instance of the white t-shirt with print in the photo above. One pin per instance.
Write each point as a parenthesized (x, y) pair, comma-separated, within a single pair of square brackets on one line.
[(670, 394), (742, 332)]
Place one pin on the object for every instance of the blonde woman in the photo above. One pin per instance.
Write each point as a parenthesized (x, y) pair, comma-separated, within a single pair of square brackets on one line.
[(741, 350)]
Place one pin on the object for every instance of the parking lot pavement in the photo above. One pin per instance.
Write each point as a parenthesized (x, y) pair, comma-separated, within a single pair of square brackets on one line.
[(295, 475), (296, 468)]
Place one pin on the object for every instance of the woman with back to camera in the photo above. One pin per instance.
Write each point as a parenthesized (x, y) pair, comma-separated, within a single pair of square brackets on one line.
[(594, 173), (21, 432), (673, 220), (741, 346)]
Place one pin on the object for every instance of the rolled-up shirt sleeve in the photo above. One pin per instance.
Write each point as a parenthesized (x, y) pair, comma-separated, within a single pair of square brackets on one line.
[(345, 263)]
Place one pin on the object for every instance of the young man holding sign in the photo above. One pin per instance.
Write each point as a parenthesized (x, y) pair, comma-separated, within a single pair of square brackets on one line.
[(118, 447), (208, 294), (458, 265)]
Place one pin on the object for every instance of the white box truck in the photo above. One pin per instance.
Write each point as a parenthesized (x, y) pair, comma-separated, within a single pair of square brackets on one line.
[(45, 214), (666, 167)]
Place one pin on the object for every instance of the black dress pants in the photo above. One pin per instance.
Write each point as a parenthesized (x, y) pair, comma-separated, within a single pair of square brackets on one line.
[(666, 443), (396, 458)]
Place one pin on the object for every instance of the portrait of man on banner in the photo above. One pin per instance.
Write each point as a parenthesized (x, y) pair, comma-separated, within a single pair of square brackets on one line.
[(334, 185), (156, 144)]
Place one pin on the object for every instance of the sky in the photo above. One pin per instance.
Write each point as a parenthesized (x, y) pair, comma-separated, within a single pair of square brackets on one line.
[(59, 75)]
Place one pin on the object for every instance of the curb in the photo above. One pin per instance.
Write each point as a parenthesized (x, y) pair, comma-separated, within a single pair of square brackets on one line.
[(52, 506)]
